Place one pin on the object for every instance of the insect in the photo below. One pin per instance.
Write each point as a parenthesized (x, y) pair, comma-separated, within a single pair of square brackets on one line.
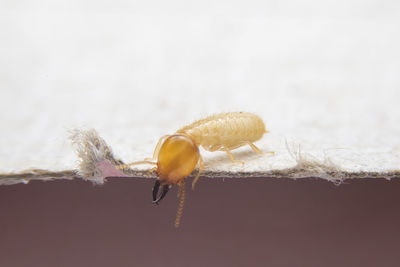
[(176, 156)]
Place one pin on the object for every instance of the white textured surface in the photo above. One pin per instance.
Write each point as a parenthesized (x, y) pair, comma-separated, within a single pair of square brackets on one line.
[(324, 76)]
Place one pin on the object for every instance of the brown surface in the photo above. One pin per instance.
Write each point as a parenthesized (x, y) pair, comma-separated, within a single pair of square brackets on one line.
[(239, 222)]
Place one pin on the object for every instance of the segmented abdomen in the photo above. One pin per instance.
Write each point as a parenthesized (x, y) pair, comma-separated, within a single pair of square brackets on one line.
[(225, 131)]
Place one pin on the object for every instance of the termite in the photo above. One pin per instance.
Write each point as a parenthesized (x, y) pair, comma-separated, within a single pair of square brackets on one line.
[(176, 156)]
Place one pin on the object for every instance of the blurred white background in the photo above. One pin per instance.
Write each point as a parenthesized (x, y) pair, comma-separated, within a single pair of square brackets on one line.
[(322, 73)]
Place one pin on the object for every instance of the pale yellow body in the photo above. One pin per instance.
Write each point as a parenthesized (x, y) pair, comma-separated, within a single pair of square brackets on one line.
[(225, 131), (177, 155), (221, 132)]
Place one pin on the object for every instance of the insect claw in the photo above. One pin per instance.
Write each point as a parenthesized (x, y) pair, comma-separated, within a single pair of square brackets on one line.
[(155, 192), (155, 189)]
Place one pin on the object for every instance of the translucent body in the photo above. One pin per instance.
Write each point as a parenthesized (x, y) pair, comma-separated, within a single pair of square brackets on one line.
[(225, 131), (177, 155), (177, 158)]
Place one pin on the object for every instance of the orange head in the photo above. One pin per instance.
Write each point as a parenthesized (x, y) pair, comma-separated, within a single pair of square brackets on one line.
[(177, 158)]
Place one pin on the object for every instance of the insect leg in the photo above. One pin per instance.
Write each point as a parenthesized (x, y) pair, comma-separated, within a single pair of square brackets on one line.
[(125, 166), (258, 151), (228, 152), (157, 149), (201, 167)]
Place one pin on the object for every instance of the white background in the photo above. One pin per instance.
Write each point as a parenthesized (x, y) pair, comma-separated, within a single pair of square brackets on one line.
[(322, 74)]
